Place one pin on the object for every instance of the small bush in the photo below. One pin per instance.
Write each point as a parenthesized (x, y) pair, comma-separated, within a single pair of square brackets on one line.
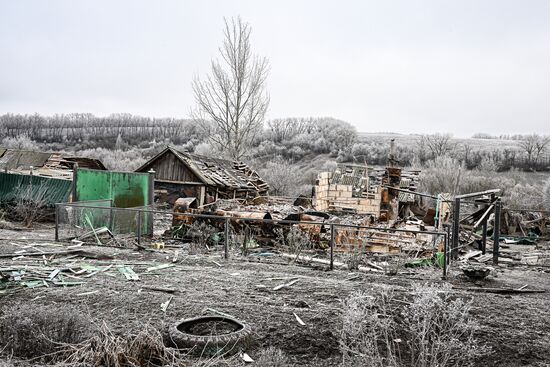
[(107, 349), (30, 204), (284, 178), (21, 142), (432, 330), (31, 331), (201, 234), (354, 258), (297, 240), (546, 195)]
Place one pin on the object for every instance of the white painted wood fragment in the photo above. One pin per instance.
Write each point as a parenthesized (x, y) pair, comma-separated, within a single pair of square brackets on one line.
[(245, 357), (299, 320)]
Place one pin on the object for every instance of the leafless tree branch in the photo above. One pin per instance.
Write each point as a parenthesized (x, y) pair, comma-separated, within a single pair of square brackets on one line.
[(232, 101)]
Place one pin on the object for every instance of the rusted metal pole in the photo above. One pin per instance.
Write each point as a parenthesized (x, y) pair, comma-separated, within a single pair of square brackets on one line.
[(139, 228), (456, 228), (111, 216), (151, 202), (332, 247), (445, 249), (74, 197), (56, 222), (226, 239), (496, 232)]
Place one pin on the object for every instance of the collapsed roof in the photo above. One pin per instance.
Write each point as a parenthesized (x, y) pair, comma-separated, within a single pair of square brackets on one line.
[(367, 179), (216, 172), (24, 160)]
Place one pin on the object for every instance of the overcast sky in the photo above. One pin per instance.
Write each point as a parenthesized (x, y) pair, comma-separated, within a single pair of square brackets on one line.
[(404, 66)]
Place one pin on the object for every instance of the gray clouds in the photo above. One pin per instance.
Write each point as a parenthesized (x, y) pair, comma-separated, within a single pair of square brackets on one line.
[(422, 66)]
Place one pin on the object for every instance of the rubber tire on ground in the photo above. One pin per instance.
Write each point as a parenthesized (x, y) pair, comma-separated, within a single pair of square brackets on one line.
[(211, 344)]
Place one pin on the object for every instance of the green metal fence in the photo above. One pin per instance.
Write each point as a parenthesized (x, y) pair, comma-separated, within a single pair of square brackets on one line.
[(50, 190), (125, 189)]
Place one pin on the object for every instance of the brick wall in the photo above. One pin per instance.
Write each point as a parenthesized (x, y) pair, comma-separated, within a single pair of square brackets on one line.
[(334, 197)]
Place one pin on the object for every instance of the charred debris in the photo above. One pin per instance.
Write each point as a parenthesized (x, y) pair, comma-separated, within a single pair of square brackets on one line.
[(354, 209), (376, 212)]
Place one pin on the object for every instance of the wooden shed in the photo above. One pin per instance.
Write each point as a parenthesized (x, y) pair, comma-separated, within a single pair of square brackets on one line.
[(181, 174)]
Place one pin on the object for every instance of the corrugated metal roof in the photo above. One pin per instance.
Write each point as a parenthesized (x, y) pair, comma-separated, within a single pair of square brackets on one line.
[(406, 197), (13, 159), (22, 160), (51, 190)]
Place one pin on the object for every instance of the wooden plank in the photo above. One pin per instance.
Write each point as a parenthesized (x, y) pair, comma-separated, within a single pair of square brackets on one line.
[(499, 290)]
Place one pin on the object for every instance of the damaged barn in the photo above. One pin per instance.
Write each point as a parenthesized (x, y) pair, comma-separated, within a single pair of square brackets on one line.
[(181, 174)]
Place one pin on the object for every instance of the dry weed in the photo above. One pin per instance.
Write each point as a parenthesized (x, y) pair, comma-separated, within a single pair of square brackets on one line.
[(38, 332), (431, 330), (107, 349), (201, 234), (30, 204)]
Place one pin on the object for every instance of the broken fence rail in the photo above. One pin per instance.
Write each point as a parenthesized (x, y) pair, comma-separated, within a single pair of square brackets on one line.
[(228, 219)]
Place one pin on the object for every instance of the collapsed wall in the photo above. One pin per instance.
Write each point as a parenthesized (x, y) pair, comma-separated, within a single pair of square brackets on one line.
[(346, 192)]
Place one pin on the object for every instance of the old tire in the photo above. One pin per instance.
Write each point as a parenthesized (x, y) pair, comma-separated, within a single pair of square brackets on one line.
[(235, 335)]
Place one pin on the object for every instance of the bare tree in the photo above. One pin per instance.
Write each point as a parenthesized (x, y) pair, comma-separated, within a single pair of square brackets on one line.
[(534, 146), (232, 100), (286, 128), (540, 146), (528, 145), (437, 144), (467, 150)]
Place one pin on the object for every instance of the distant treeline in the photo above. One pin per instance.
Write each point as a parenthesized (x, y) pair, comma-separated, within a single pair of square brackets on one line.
[(531, 152), (89, 131), (290, 139)]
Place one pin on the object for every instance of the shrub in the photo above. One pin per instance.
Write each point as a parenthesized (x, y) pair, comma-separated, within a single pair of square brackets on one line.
[(200, 234), (107, 349), (524, 196), (442, 175), (432, 330), (21, 142), (546, 195), (284, 178), (30, 205), (31, 331), (118, 160), (297, 240), (354, 258)]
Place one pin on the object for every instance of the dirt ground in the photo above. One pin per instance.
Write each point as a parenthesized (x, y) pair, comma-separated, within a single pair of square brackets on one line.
[(515, 327)]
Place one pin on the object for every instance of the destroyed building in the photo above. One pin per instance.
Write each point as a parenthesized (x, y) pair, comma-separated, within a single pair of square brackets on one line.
[(381, 193), (185, 175), (39, 176), (46, 164)]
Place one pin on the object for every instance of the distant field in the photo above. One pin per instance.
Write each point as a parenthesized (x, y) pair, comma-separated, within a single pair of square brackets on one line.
[(411, 140)]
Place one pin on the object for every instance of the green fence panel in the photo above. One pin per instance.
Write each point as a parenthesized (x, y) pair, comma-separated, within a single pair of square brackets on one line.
[(126, 189), (93, 185), (51, 190)]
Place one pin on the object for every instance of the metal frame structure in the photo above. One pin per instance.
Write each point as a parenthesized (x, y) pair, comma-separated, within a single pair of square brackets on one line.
[(494, 206)]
